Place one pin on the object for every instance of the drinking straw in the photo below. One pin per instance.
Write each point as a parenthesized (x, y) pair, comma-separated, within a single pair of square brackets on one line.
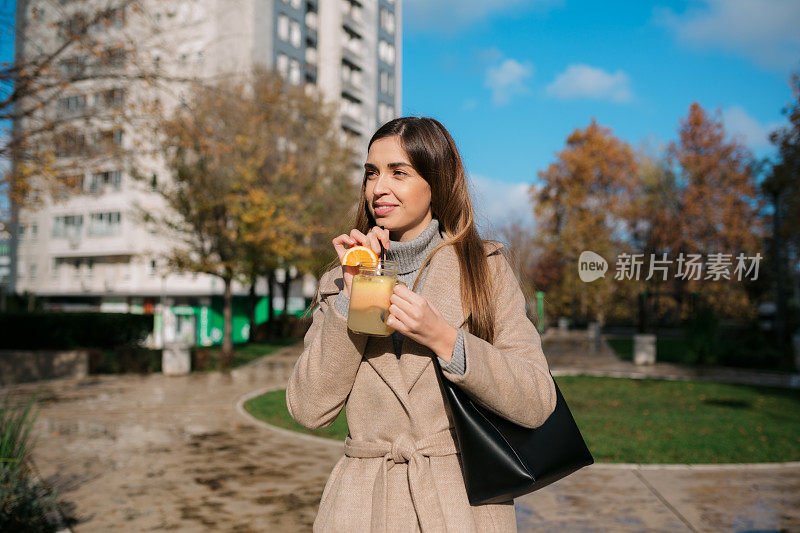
[(383, 252)]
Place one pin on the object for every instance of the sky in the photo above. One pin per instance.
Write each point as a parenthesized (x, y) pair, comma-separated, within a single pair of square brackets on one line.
[(511, 79)]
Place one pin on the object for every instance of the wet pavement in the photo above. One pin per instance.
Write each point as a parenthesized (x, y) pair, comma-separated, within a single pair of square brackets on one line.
[(151, 453)]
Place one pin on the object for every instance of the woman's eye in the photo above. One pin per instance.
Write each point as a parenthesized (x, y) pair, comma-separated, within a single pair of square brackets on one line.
[(399, 173)]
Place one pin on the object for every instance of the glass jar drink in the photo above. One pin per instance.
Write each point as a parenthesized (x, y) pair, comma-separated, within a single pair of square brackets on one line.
[(369, 298)]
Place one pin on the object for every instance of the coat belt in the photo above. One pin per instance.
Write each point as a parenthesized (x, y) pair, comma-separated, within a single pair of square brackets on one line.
[(420, 479)]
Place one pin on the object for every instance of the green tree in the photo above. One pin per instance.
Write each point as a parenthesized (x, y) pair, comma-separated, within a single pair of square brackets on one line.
[(782, 188)]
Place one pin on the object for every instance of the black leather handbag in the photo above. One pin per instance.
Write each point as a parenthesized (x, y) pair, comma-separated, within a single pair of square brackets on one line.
[(501, 460)]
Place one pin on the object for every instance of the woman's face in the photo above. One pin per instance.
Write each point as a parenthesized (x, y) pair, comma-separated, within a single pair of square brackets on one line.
[(398, 198)]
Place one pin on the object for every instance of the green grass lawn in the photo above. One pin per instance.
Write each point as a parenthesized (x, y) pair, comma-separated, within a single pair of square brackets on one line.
[(649, 421), (244, 353)]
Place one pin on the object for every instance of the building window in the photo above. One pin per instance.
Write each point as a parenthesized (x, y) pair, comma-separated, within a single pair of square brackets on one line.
[(283, 28), (295, 34), (104, 224), (102, 181), (33, 271), (351, 108), (21, 232), (283, 65), (108, 138), (70, 143), (294, 71), (73, 27), (387, 82), (67, 225), (70, 184), (73, 66), (34, 231), (71, 104), (385, 113), (387, 20), (113, 57), (386, 52), (351, 74), (353, 9), (109, 98)]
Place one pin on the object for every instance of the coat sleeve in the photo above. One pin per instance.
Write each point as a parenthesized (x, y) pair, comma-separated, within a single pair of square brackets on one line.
[(326, 370), (511, 376)]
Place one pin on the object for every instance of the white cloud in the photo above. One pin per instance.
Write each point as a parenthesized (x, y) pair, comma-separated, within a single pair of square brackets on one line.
[(498, 202), (585, 81), (739, 122), (765, 31), (507, 79), (451, 15), (469, 104)]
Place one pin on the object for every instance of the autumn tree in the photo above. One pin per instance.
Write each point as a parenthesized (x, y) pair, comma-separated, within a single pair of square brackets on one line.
[(258, 172), (719, 206), (582, 205)]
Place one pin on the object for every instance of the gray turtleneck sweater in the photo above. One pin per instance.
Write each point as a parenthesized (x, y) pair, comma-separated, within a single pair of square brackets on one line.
[(409, 256)]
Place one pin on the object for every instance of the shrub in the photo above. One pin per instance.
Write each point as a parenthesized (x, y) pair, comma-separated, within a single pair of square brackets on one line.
[(24, 504), (65, 331)]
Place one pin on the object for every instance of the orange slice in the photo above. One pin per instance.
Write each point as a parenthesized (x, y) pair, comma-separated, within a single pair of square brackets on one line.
[(359, 254)]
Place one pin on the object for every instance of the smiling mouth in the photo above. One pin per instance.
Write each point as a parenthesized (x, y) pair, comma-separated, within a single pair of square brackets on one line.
[(382, 210)]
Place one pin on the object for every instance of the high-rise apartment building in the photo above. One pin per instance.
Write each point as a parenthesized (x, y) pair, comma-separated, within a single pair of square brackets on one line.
[(85, 249)]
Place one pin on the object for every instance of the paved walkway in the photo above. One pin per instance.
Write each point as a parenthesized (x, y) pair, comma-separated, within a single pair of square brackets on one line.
[(148, 453)]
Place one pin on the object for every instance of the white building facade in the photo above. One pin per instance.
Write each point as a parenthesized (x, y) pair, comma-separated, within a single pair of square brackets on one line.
[(85, 249)]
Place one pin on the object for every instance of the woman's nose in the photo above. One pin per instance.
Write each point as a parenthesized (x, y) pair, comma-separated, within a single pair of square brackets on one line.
[(381, 185)]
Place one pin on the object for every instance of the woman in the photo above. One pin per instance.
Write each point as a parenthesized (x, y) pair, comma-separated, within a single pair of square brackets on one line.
[(400, 470)]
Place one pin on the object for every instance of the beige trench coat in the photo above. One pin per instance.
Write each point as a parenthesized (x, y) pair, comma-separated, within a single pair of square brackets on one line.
[(400, 470)]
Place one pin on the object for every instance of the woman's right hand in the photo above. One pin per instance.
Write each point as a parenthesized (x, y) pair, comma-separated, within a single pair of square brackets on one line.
[(373, 239)]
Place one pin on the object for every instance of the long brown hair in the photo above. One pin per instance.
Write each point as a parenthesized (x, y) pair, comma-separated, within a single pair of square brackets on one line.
[(434, 155)]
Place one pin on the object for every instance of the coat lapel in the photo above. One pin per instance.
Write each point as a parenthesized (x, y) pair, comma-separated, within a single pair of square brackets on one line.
[(380, 355), (442, 289), (379, 351)]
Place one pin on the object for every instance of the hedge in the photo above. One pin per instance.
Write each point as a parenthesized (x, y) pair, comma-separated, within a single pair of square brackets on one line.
[(66, 331)]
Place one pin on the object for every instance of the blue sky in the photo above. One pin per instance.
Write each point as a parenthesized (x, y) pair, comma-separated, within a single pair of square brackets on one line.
[(512, 78)]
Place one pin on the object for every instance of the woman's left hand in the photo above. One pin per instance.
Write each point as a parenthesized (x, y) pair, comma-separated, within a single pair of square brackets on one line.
[(412, 315)]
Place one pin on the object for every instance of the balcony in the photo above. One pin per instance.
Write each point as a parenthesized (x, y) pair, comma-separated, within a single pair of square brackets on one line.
[(353, 51), (311, 56), (312, 21)]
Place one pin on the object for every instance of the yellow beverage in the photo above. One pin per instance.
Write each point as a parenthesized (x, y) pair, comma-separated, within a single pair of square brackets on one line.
[(369, 304)]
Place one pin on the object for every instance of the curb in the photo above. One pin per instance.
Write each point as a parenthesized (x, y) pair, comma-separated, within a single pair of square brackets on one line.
[(595, 466), (283, 431)]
